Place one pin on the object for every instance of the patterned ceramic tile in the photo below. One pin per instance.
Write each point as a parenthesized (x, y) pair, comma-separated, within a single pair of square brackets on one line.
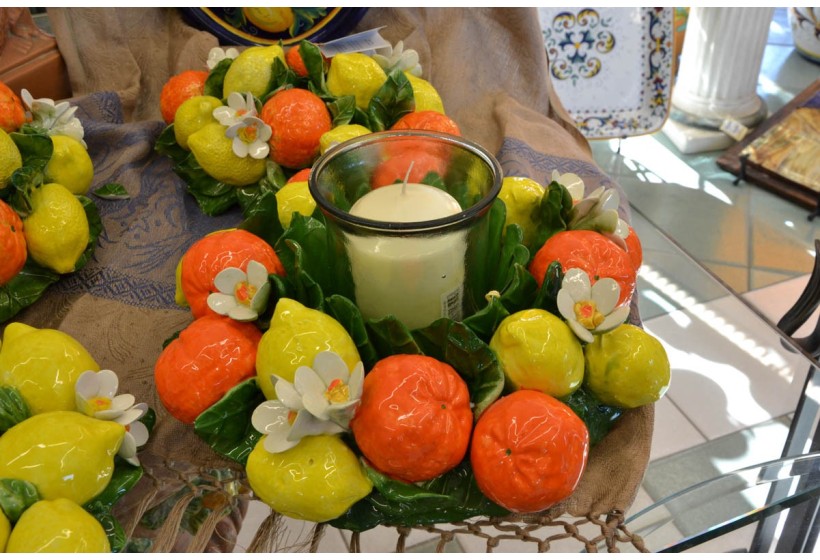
[(611, 67)]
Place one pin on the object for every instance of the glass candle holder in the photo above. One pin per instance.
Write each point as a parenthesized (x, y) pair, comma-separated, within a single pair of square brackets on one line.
[(405, 207)]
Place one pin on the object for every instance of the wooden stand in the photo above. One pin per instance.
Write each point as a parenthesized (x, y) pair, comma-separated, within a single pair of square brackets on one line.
[(29, 57)]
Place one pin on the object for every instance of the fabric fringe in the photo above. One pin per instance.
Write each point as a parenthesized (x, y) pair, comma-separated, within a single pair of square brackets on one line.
[(167, 534)]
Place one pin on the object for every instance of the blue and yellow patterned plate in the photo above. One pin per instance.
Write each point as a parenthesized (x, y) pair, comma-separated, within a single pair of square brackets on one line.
[(611, 67), (268, 26)]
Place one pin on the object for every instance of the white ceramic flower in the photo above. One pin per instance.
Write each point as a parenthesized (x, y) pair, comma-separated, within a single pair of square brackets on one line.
[(53, 118), (573, 183), (329, 390), (392, 57), (96, 395), (238, 108), (218, 54), (321, 400), (136, 435), (242, 296), (250, 137), (590, 309), (285, 421), (599, 212)]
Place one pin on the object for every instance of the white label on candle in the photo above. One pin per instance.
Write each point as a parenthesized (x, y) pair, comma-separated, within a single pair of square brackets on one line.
[(418, 278)]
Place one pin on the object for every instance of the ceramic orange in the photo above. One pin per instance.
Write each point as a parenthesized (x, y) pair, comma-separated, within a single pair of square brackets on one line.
[(529, 451), (210, 255), (590, 251), (210, 356), (414, 420)]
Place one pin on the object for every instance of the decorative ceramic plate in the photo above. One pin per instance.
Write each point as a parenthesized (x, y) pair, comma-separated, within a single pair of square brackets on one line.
[(611, 67), (268, 26)]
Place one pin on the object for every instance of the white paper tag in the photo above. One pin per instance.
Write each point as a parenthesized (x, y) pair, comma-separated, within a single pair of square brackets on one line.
[(734, 129), (369, 40), (451, 304)]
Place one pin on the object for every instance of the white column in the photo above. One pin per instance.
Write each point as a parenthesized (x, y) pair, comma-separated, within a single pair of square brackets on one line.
[(719, 66)]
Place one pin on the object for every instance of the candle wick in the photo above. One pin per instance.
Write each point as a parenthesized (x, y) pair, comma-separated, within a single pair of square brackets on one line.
[(407, 176)]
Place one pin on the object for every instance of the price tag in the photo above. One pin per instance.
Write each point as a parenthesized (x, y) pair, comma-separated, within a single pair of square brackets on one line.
[(369, 40), (734, 129)]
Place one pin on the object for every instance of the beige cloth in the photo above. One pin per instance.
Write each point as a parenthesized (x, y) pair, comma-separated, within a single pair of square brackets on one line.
[(131, 51), (490, 68)]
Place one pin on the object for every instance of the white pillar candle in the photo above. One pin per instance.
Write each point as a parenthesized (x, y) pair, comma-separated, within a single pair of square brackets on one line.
[(418, 278)]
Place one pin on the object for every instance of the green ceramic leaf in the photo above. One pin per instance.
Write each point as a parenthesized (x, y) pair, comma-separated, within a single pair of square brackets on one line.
[(598, 417), (112, 191), (95, 228), (13, 408), (166, 145), (462, 500), (547, 295), (315, 65), (226, 425), (553, 213), (400, 491), (113, 529), (349, 316), (342, 110), (389, 336), (216, 77), (392, 101), (124, 478), (24, 289), (486, 321), (35, 148), (455, 344), (16, 496), (483, 257), (212, 196)]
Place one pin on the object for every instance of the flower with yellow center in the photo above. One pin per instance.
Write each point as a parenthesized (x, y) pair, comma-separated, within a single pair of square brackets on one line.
[(589, 309), (250, 137), (96, 396), (242, 296), (321, 400), (238, 107)]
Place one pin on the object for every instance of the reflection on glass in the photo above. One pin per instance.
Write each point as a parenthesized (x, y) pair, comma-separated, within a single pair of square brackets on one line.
[(722, 504)]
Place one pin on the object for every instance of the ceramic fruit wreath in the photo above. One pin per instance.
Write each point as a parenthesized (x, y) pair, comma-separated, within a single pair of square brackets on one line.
[(68, 445), (360, 422), (238, 132), (48, 226)]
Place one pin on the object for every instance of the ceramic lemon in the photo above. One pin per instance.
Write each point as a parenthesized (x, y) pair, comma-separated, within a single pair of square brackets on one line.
[(43, 365), (537, 350), (318, 480), (64, 454), (57, 526), (296, 334)]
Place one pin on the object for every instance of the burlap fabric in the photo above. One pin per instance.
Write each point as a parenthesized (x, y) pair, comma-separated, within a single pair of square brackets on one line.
[(491, 70)]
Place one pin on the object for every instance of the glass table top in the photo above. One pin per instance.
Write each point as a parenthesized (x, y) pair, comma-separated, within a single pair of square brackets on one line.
[(749, 396)]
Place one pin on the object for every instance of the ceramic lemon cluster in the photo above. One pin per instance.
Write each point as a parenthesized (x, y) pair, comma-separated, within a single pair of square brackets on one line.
[(68, 445), (48, 226)]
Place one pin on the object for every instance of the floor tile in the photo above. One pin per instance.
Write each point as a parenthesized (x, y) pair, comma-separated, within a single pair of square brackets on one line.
[(776, 249), (734, 276), (760, 279), (724, 388), (775, 300), (673, 432)]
